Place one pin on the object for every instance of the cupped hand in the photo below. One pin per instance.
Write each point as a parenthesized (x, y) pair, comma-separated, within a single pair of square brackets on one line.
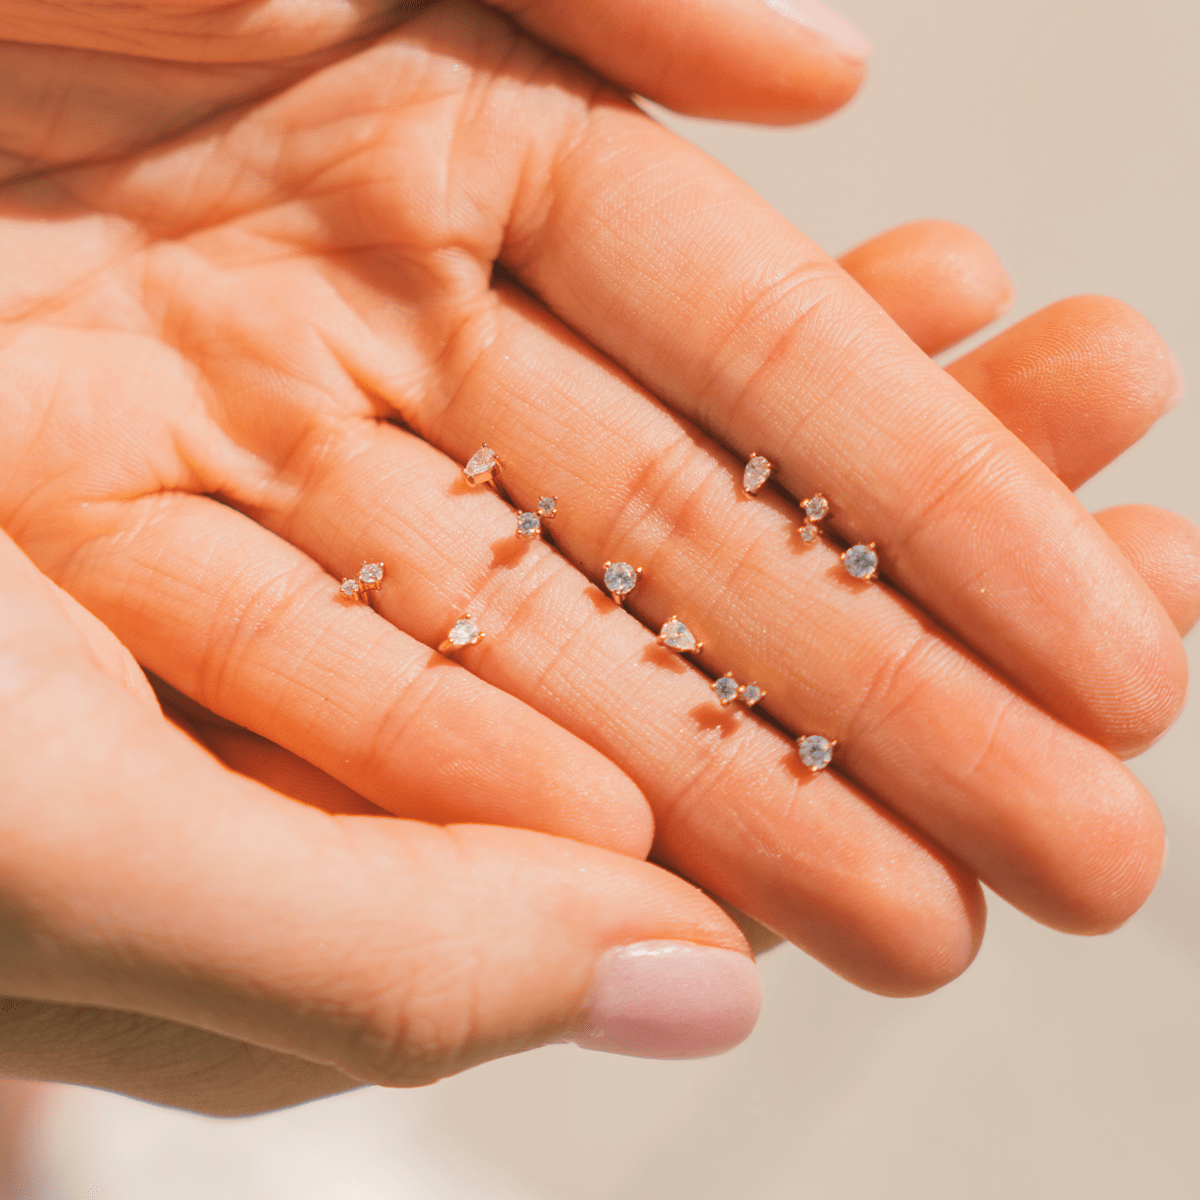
[(256, 317), (175, 931)]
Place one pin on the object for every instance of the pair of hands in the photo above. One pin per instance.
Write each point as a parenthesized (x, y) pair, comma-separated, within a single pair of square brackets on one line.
[(270, 281)]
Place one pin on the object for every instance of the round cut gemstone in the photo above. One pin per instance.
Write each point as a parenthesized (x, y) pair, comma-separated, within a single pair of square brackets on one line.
[(816, 508), (620, 578), (751, 694), (548, 507), (528, 525), (861, 561), (481, 466), (757, 472), (677, 636), (464, 632), (349, 588), (726, 689), (808, 532), (371, 573), (815, 751)]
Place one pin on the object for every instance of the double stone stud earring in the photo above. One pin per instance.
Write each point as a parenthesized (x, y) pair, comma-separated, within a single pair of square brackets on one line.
[(369, 579), (727, 690), (529, 524)]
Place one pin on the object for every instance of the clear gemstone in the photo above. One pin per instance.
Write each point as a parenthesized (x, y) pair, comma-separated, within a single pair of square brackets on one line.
[(481, 465), (861, 561), (620, 578), (752, 694), (726, 689), (548, 507), (528, 525), (371, 573), (757, 472), (349, 588), (463, 632), (816, 508), (815, 751), (808, 532), (677, 636)]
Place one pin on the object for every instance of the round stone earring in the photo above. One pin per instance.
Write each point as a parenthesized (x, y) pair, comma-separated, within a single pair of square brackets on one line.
[(620, 578), (725, 689), (862, 562), (816, 752), (529, 524), (816, 509), (369, 579)]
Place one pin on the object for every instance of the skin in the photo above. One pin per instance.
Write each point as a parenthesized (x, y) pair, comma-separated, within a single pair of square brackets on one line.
[(235, 280)]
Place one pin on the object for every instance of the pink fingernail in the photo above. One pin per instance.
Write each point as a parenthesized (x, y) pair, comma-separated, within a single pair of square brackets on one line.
[(826, 23), (671, 1000)]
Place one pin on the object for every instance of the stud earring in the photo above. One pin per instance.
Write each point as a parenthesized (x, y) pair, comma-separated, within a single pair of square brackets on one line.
[(482, 467), (620, 578), (816, 752), (862, 562), (675, 635), (816, 509), (757, 472), (529, 524), (464, 632), (369, 579)]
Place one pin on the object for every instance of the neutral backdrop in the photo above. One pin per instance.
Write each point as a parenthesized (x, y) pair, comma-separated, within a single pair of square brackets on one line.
[(1068, 133)]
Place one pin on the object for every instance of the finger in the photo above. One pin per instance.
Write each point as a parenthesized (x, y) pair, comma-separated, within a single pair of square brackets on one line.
[(771, 61), (767, 346), (156, 882), (1078, 382), (260, 759), (160, 1061), (938, 281), (253, 630), (1164, 549)]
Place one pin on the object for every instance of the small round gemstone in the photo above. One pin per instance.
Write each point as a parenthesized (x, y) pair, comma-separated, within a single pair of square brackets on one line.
[(815, 751), (620, 578), (349, 588), (677, 636), (751, 694), (808, 532), (548, 506), (726, 689), (816, 508), (757, 472), (463, 632), (861, 561), (371, 573), (528, 524)]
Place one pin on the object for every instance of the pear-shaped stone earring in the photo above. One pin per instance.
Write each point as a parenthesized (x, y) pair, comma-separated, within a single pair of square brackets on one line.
[(482, 467), (756, 473), (464, 632)]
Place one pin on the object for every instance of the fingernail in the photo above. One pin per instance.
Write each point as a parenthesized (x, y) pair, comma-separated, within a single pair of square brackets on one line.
[(1179, 384), (826, 23), (671, 1000)]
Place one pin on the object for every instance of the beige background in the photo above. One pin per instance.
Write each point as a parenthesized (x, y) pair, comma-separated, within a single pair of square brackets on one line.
[(1067, 132)]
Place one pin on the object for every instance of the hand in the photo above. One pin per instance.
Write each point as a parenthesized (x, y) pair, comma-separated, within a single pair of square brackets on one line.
[(242, 311), (234, 951)]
